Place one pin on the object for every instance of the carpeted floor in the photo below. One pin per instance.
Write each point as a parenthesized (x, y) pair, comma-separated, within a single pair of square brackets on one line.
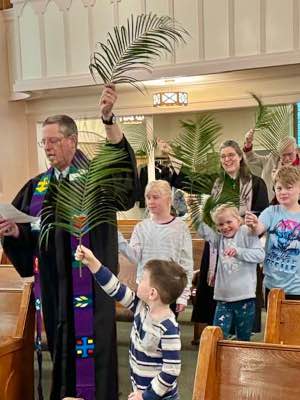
[(189, 359)]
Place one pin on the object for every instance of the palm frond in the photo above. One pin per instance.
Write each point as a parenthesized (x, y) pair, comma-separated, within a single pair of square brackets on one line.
[(90, 197), (202, 206), (139, 138), (195, 145), (272, 124), (135, 47), (195, 149)]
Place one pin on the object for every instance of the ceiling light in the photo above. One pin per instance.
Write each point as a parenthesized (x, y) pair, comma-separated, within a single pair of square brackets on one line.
[(170, 99)]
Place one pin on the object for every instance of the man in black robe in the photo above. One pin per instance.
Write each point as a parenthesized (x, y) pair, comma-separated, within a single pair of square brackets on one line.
[(20, 244)]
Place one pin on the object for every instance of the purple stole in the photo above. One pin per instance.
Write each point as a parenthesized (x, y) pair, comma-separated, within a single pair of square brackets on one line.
[(82, 303)]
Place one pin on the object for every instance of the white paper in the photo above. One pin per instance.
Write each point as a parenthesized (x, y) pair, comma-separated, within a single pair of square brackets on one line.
[(8, 211)]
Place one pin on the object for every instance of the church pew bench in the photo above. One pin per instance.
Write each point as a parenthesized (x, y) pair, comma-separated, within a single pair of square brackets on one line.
[(283, 319), (16, 343), (229, 370)]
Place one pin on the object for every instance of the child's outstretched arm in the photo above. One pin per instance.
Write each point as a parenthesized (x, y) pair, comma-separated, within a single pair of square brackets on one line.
[(106, 279), (207, 233), (87, 257)]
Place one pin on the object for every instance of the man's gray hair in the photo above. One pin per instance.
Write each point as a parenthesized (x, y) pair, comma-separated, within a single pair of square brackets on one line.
[(285, 142), (67, 125)]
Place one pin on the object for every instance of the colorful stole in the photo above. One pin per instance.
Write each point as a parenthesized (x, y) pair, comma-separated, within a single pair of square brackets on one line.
[(82, 303)]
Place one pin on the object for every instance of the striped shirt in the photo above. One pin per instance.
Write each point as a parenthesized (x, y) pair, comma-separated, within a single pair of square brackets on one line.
[(150, 240), (154, 353)]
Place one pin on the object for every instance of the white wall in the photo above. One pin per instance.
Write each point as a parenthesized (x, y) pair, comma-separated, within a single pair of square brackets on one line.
[(14, 153), (235, 123), (225, 35)]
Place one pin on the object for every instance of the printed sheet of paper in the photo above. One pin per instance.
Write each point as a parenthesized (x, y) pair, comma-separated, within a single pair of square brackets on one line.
[(8, 211)]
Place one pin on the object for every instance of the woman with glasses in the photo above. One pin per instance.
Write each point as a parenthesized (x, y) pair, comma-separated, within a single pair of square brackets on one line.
[(249, 192)]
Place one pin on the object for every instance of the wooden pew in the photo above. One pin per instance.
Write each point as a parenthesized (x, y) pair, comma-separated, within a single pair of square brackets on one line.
[(283, 319), (16, 337), (231, 370)]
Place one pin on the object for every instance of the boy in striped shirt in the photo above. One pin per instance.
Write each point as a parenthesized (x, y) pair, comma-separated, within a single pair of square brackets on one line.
[(154, 353)]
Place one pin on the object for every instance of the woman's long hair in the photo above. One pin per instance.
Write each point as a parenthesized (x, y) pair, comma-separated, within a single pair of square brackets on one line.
[(244, 172)]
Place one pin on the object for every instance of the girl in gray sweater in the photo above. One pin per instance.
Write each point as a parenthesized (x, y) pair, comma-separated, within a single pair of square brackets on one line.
[(239, 251)]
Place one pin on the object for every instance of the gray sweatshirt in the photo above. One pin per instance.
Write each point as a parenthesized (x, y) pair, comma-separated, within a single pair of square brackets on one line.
[(236, 276)]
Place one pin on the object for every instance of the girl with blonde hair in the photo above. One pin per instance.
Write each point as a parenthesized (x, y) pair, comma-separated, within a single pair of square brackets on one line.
[(161, 236)]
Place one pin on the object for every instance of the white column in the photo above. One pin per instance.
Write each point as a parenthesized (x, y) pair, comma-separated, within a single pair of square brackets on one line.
[(150, 136)]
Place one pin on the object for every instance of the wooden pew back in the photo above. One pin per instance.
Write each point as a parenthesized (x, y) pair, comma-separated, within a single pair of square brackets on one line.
[(229, 370), (16, 337), (10, 302), (283, 319)]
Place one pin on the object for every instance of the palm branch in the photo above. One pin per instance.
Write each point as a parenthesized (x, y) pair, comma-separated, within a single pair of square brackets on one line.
[(195, 149), (139, 139), (196, 142), (135, 47), (272, 124), (202, 206), (90, 197)]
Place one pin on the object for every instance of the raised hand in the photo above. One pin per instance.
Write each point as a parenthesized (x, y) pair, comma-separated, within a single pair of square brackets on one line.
[(107, 101), (249, 138), (87, 257), (251, 220), (164, 146)]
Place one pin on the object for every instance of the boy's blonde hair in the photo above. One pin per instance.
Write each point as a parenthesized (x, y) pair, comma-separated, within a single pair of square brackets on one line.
[(215, 214), (163, 187), (287, 175)]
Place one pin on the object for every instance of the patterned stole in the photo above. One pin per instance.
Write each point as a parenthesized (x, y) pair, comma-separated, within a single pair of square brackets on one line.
[(82, 303)]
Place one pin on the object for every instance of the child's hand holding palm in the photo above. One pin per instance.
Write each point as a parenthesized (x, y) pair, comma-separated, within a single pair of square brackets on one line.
[(251, 220), (87, 257)]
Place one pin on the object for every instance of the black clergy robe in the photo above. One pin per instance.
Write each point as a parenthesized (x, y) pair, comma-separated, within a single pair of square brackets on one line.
[(57, 291)]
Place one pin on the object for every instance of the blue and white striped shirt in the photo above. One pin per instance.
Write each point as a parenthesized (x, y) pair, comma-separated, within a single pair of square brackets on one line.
[(154, 354)]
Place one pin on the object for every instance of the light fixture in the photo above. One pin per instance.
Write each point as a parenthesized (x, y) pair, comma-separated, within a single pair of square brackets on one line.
[(170, 99), (131, 119)]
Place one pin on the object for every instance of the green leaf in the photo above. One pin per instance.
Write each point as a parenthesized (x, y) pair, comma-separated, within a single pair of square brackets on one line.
[(195, 146), (272, 124), (138, 137), (90, 197), (202, 206), (135, 47)]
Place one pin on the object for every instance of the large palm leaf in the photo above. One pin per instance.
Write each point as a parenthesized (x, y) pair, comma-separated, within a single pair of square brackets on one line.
[(202, 205), (90, 197), (139, 138), (135, 47), (195, 149), (272, 124)]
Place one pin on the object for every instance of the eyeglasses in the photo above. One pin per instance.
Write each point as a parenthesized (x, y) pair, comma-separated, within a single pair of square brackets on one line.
[(230, 156), (54, 141)]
